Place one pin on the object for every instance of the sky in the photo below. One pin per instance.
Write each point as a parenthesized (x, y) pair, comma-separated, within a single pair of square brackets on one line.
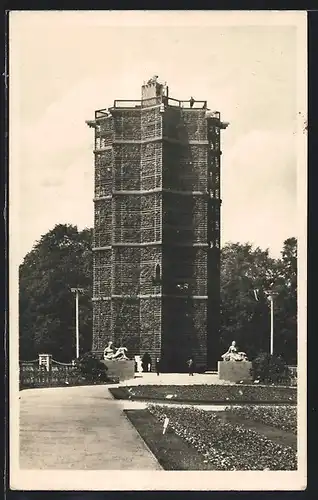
[(64, 65)]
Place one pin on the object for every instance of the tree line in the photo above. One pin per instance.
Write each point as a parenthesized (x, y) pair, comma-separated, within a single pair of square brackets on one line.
[(63, 259)]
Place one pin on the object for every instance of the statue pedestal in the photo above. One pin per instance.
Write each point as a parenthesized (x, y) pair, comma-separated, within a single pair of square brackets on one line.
[(235, 371), (124, 369)]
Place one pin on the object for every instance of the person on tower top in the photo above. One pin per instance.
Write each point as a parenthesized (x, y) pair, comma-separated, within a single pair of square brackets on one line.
[(192, 101)]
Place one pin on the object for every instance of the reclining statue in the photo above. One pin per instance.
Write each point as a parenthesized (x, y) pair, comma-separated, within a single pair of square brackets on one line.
[(232, 354), (110, 354)]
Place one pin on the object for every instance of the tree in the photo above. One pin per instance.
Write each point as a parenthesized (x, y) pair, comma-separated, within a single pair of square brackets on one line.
[(62, 259), (285, 326), (246, 275)]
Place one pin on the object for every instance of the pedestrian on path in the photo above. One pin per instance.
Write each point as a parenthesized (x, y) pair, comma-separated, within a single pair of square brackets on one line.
[(191, 366), (146, 362), (158, 366)]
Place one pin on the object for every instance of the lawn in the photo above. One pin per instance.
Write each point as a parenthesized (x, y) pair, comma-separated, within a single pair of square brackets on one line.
[(171, 450)]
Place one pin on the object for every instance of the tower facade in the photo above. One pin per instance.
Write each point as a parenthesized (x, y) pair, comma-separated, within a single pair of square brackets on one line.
[(156, 281)]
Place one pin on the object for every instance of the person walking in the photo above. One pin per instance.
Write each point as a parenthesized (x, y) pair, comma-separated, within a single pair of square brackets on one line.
[(146, 362), (158, 366), (191, 366)]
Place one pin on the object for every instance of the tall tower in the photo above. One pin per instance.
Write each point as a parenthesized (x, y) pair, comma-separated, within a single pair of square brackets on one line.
[(157, 228)]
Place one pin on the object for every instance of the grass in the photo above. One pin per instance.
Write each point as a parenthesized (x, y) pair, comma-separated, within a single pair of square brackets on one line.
[(171, 451)]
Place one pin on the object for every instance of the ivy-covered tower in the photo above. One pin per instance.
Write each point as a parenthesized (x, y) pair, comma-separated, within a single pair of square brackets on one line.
[(157, 228)]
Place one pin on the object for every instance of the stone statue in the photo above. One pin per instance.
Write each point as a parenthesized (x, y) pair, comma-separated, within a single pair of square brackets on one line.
[(109, 351), (110, 354), (154, 79), (232, 354)]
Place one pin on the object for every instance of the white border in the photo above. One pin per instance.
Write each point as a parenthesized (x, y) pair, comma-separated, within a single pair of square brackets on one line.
[(162, 480)]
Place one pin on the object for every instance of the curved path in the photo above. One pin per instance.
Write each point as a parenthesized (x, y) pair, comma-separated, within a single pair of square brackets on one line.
[(79, 428)]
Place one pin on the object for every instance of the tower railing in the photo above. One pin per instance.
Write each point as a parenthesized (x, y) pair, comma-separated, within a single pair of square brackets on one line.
[(140, 103), (121, 103), (195, 105), (101, 113), (144, 103)]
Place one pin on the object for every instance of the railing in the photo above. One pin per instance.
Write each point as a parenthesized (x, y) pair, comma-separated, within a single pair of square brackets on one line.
[(175, 103), (195, 105), (34, 376), (101, 113), (214, 114), (120, 103), (141, 103), (156, 100), (56, 374)]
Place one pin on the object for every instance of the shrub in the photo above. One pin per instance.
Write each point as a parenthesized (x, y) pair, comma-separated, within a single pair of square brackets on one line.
[(270, 368), (91, 368)]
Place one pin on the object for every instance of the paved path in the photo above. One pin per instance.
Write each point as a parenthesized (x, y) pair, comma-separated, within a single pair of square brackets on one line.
[(210, 378), (78, 428)]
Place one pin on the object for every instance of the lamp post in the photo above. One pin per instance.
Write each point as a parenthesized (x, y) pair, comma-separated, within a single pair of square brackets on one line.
[(270, 296), (77, 291)]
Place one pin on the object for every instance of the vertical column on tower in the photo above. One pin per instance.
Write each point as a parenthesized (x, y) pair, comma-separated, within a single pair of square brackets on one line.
[(214, 206), (151, 223), (102, 235), (185, 236), (126, 220)]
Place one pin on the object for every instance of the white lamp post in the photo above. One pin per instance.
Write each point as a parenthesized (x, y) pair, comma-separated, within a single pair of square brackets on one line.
[(270, 296), (77, 291)]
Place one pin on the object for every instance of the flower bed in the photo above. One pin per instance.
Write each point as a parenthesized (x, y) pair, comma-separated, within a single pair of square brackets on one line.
[(281, 417), (214, 393), (224, 445)]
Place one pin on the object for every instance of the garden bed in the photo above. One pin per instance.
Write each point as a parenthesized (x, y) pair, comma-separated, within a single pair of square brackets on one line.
[(214, 394), (279, 436), (223, 445), (280, 417)]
